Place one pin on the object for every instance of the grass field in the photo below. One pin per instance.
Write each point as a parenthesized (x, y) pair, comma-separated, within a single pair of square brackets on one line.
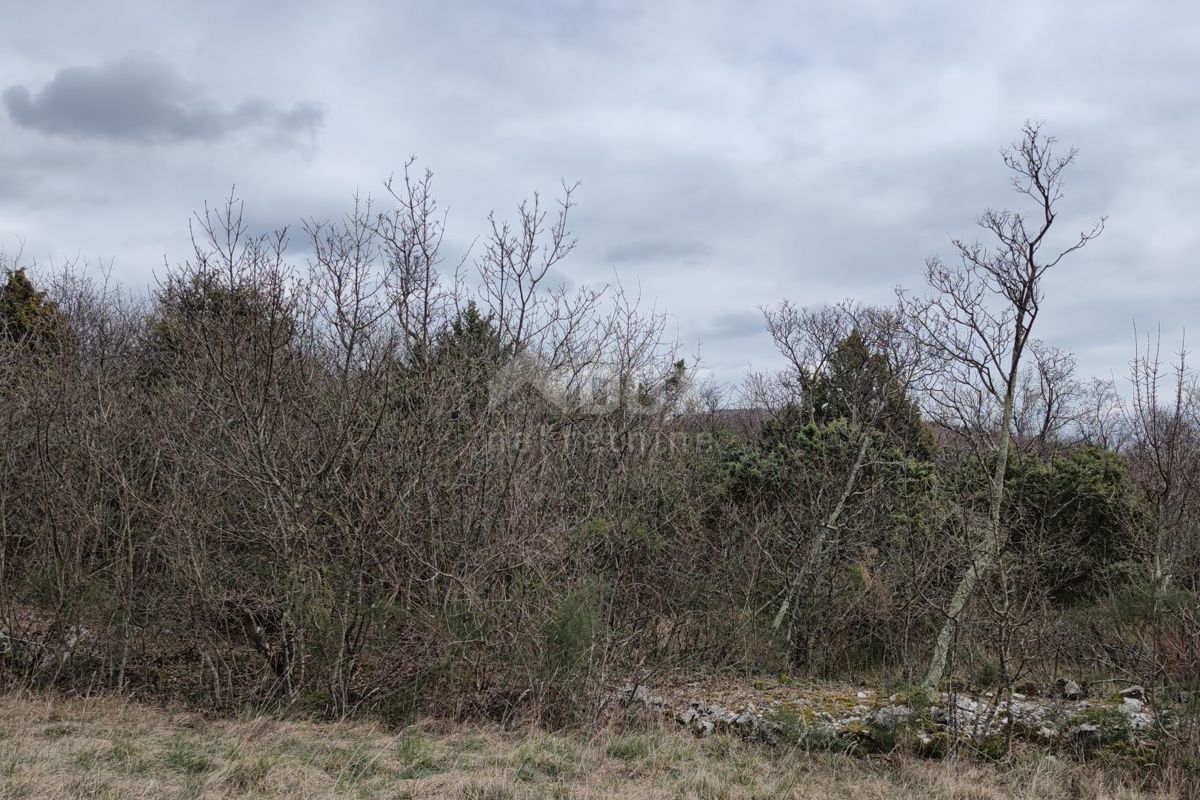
[(105, 748)]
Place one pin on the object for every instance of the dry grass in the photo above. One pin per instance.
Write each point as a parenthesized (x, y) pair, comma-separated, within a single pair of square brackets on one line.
[(103, 748)]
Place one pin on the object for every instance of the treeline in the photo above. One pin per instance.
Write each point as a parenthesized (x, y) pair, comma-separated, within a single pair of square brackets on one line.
[(382, 482)]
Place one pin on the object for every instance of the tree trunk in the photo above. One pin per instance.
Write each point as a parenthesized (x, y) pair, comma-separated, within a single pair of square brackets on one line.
[(985, 555), (818, 543)]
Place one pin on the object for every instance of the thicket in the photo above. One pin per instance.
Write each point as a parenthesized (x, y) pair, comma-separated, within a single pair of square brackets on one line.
[(372, 482)]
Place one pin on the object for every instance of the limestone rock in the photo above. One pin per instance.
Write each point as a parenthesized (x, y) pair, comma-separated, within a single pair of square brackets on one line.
[(1068, 689), (1140, 721), (641, 695), (1131, 705), (890, 716), (972, 717), (1134, 693)]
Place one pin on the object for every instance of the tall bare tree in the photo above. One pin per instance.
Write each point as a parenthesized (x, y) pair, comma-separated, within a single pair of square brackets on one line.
[(1161, 416), (978, 322)]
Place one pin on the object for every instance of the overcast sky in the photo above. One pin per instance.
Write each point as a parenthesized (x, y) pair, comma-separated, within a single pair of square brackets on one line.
[(728, 154)]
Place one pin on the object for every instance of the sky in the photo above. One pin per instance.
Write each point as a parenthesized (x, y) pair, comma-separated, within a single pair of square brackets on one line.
[(728, 154)]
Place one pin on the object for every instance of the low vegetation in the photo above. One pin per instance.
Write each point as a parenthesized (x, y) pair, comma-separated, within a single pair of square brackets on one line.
[(111, 749)]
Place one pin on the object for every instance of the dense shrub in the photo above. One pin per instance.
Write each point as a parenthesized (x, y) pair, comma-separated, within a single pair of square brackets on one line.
[(359, 485)]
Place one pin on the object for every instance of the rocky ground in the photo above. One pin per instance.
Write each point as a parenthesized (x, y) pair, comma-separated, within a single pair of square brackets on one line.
[(865, 719)]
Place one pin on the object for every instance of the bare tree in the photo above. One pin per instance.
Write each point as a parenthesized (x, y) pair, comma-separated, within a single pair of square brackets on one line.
[(1046, 405), (1162, 414), (979, 323), (1101, 419)]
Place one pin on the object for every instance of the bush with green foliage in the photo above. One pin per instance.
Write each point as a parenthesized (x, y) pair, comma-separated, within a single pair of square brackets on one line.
[(1072, 513), (27, 317)]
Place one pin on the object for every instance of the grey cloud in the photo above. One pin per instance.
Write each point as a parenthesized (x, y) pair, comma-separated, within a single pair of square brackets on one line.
[(727, 157), (140, 98), (657, 251), (734, 325)]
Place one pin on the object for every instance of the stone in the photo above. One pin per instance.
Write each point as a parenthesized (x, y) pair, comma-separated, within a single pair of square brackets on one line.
[(746, 719), (641, 695), (968, 707), (890, 716), (1140, 721), (74, 634), (1069, 689), (1131, 705), (1089, 722), (768, 731), (1134, 692), (719, 714)]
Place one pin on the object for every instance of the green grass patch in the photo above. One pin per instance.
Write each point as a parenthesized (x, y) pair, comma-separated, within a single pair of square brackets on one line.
[(416, 752), (187, 757), (630, 747)]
